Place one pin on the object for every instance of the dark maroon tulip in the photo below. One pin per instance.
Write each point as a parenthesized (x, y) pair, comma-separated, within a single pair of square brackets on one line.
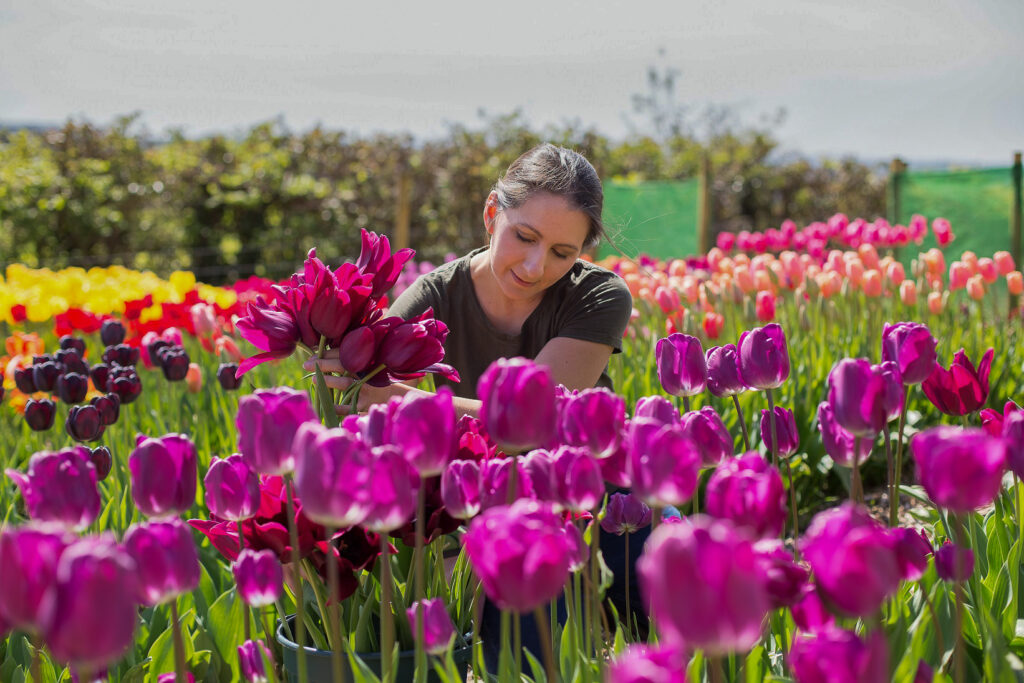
[(226, 376), (961, 469), (912, 551), (912, 347), (174, 362), (518, 403), (724, 371), (28, 571), (859, 394), (593, 419), (109, 406), (961, 389), (72, 361), (99, 374), (75, 343), (121, 354), (102, 461), (72, 387), (84, 423), (124, 382), (706, 430), (954, 563), (682, 369), (24, 380), (111, 332), (657, 408), (45, 375), (154, 348), (784, 579), (764, 357), (60, 487), (749, 492), (375, 257), (785, 427), (40, 414), (414, 347)]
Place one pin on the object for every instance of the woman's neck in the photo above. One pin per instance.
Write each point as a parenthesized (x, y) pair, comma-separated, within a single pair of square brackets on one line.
[(507, 315)]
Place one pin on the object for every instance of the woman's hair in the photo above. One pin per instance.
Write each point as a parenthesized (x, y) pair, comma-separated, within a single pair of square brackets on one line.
[(561, 172)]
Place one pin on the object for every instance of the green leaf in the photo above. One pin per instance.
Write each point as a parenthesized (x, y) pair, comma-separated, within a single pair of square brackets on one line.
[(226, 626), (323, 395)]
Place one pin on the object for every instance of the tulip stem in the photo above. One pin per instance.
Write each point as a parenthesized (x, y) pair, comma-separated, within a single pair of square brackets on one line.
[(37, 670), (245, 605), (337, 664), (773, 446), (893, 508), (545, 640), (895, 502), (743, 422), (629, 612), (792, 503), (939, 641), (387, 622), (959, 665), (180, 668), (855, 493), (300, 608), (715, 669), (517, 645), (513, 481), (418, 587), (686, 404), (595, 590)]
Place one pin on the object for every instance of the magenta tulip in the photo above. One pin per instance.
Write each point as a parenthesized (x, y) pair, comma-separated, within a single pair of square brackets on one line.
[(1013, 433), (232, 488), (411, 348), (657, 408), (518, 403), (460, 489), (648, 664), (377, 259), (860, 396), (724, 371), (438, 629), (163, 471), (912, 347), (494, 482), (332, 475), (392, 488), (784, 578), (961, 389), (272, 330), (682, 369), (749, 492), (29, 555), (809, 613), (785, 428), (251, 654), (168, 564), (725, 602), (764, 357), (912, 551), (423, 427), (706, 430), (60, 487), (593, 419), (836, 656), (961, 469), (259, 577), (992, 420), (663, 463), (954, 563), (521, 554), (615, 468), (625, 514), (578, 482), (838, 442), (267, 421)]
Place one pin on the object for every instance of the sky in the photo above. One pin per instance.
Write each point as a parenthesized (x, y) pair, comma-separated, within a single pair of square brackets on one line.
[(921, 79)]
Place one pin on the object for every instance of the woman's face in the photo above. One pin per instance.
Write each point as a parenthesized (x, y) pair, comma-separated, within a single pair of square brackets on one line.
[(534, 245)]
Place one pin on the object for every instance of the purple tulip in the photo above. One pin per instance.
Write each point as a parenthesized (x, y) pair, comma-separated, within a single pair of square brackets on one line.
[(521, 554), (393, 487), (682, 369), (45, 375), (857, 394), (954, 563), (96, 610), (924, 673), (663, 463), (39, 414), (579, 551), (749, 492), (785, 428), (124, 382), (648, 664), (232, 488), (724, 604), (163, 471), (615, 468), (267, 421), (24, 380), (539, 466), (111, 332), (912, 347), (593, 419), (892, 397), (836, 656), (168, 564), (724, 371), (657, 408), (60, 487), (423, 427), (961, 389), (259, 577), (578, 482), (706, 430), (332, 475), (72, 387), (837, 441), (764, 357), (625, 514), (912, 551), (961, 469), (411, 348), (84, 423), (494, 482), (1013, 434), (122, 354), (854, 560), (268, 328), (438, 629), (460, 489), (518, 407), (784, 579), (109, 407), (250, 656), (102, 461), (29, 555)]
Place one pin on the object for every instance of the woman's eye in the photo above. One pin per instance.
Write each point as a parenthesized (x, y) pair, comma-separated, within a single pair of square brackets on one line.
[(523, 238), (560, 255)]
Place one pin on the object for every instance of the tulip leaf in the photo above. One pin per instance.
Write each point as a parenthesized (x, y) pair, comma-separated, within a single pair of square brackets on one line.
[(536, 666), (225, 625), (323, 395), (162, 653)]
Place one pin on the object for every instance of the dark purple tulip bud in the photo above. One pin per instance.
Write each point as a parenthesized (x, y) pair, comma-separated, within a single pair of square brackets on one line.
[(24, 380), (961, 469), (663, 463), (84, 423), (60, 487), (28, 571), (232, 488), (912, 347), (154, 348), (40, 414), (460, 489), (518, 403), (625, 514), (121, 354), (259, 577), (724, 371), (72, 387), (163, 472), (168, 564), (422, 426), (358, 349), (593, 419), (859, 394), (837, 441), (682, 369), (75, 343), (411, 346), (961, 389), (657, 408), (109, 406), (267, 421), (250, 657), (784, 579), (1013, 433), (438, 629), (226, 376), (102, 461), (124, 382), (954, 563), (764, 357), (912, 551), (72, 361), (111, 332), (45, 375), (99, 374), (174, 362), (578, 481), (835, 655), (785, 428), (96, 610), (749, 492), (708, 433)]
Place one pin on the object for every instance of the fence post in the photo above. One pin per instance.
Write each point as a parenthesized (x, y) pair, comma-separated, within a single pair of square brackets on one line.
[(896, 170), (704, 205), (1015, 219), (403, 209)]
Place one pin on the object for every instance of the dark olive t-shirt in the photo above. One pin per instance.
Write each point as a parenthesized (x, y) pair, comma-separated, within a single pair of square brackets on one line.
[(588, 303)]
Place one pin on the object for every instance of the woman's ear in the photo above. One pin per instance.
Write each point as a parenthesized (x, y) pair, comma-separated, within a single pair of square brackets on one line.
[(490, 212)]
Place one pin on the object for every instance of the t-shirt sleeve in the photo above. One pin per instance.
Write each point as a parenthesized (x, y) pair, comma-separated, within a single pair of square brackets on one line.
[(600, 314), (418, 297)]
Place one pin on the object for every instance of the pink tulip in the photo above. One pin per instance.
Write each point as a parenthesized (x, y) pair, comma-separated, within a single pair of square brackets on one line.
[(663, 463), (494, 482), (267, 421), (251, 654), (861, 395), (785, 429), (232, 488), (164, 474), (961, 469), (166, 557), (657, 408), (29, 555), (649, 663), (954, 563), (942, 231), (706, 430), (837, 441), (332, 475), (460, 489), (518, 403), (784, 578), (912, 551), (422, 426), (836, 656), (60, 487), (593, 419), (438, 629), (748, 492), (763, 357), (578, 482), (259, 577), (958, 275), (724, 371), (376, 258), (908, 293), (912, 347), (393, 487)]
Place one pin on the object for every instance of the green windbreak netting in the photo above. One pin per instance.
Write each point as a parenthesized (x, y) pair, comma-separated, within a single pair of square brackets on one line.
[(654, 218), (977, 204)]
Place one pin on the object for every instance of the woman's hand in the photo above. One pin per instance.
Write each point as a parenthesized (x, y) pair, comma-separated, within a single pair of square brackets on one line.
[(368, 395)]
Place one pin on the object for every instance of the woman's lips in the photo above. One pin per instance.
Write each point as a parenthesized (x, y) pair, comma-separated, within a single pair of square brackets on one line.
[(520, 281)]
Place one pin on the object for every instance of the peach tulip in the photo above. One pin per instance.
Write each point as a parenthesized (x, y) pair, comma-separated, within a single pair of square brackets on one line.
[(1004, 262), (194, 378), (868, 255), (872, 283), (896, 273), (959, 273), (987, 269), (1015, 282), (976, 287), (908, 292), (935, 303), (970, 259), (855, 272)]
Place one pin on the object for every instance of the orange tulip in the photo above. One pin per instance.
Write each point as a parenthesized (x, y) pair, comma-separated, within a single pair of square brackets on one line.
[(1004, 262), (194, 378), (908, 292), (976, 287), (1015, 282), (935, 303), (872, 284)]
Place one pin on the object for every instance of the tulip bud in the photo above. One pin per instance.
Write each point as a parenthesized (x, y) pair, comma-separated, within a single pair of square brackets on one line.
[(121, 354), (1015, 283), (763, 357), (518, 403), (625, 514), (423, 427), (724, 371), (39, 415), (663, 463), (112, 332), (72, 387), (332, 475), (908, 293), (961, 469), (45, 374), (24, 380), (495, 475), (784, 579), (163, 474), (29, 555), (682, 369), (438, 629), (251, 654), (124, 382), (174, 362), (102, 461), (593, 419), (99, 374), (60, 487), (153, 349), (657, 408), (232, 488), (226, 376), (393, 486), (954, 563), (1013, 433), (84, 423), (748, 492), (706, 430), (267, 421), (109, 407), (259, 577), (860, 395), (912, 551), (72, 361), (194, 378), (168, 564), (577, 477), (833, 655), (460, 489), (785, 428)]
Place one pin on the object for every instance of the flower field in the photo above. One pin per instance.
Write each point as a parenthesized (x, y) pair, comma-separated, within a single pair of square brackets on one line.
[(815, 444)]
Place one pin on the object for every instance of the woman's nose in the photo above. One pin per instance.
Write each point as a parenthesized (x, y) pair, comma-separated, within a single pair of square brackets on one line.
[(533, 264)]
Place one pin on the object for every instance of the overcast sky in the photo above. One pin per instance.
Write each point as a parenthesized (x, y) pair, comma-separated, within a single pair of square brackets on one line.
[(923, 79)]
